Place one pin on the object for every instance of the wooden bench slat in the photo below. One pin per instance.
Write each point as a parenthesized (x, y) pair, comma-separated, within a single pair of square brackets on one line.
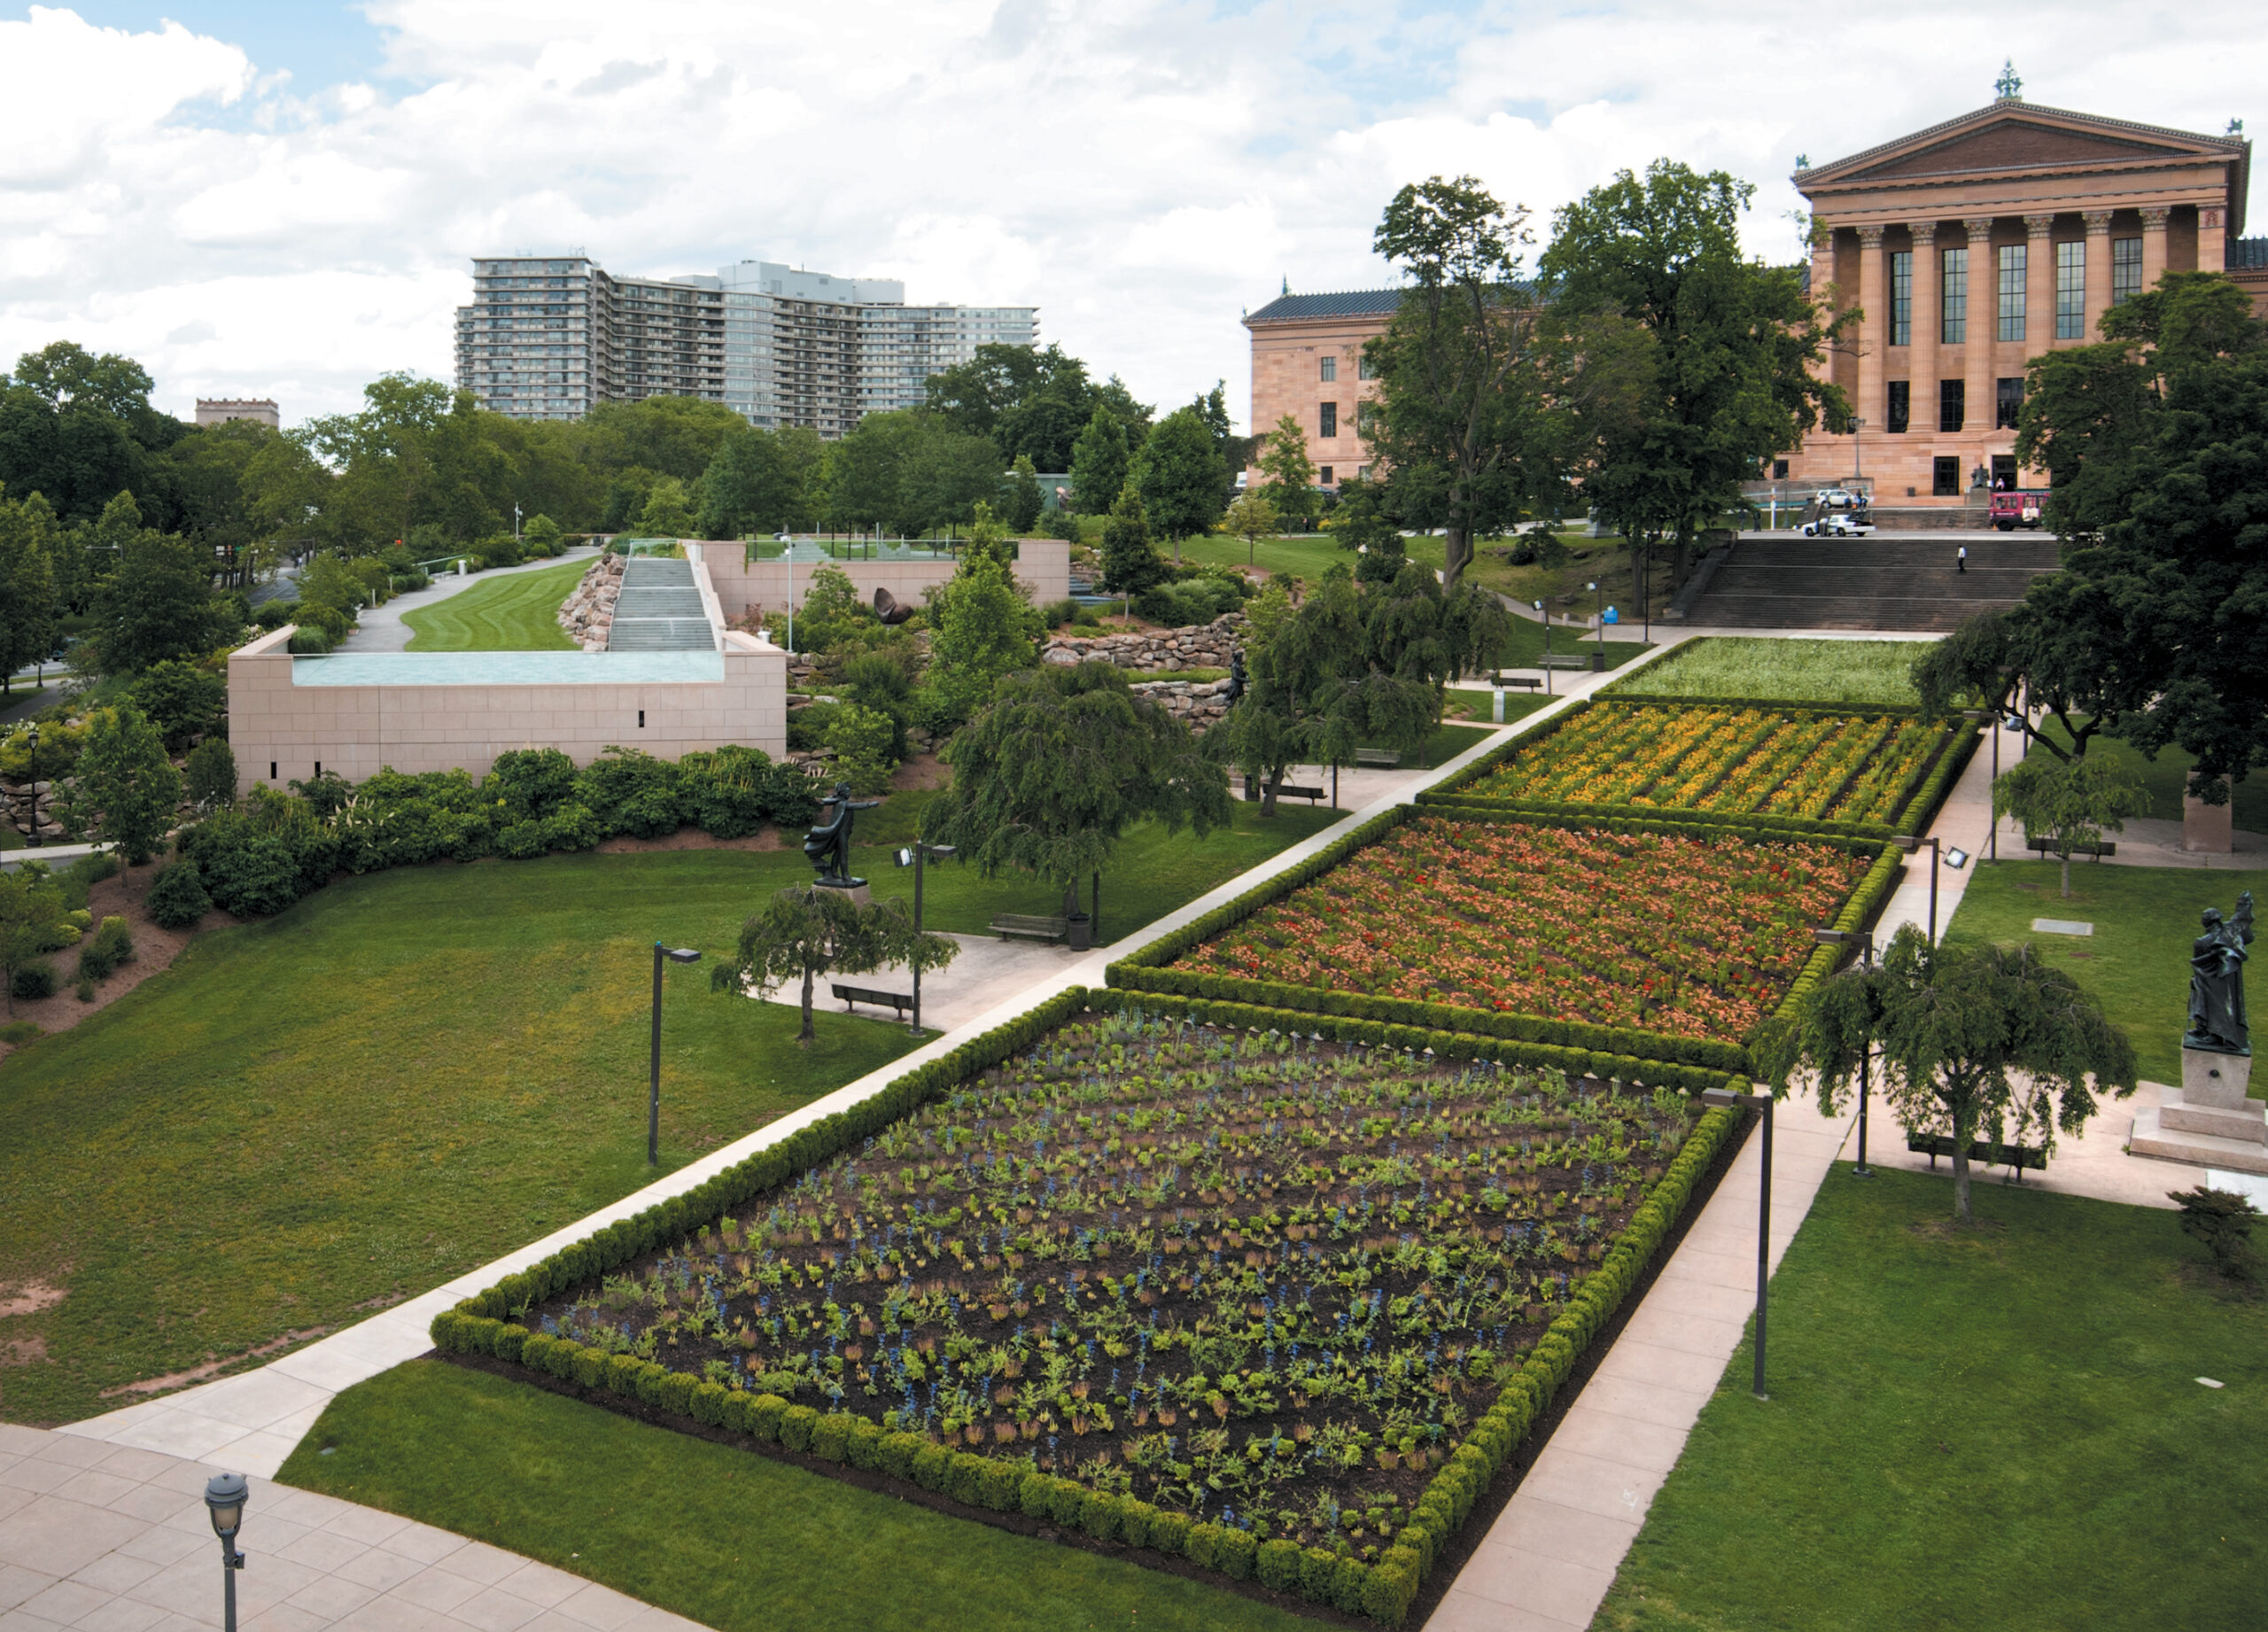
[(2014, 1157), (848, 995), (1032, 926), (1387, 757)]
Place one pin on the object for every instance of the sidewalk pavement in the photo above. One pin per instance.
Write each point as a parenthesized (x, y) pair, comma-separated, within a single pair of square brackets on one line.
[(251, 1421), (104, 1537)]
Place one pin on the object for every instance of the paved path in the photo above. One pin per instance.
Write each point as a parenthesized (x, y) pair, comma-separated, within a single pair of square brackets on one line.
[(104, 1536), (380, 628)]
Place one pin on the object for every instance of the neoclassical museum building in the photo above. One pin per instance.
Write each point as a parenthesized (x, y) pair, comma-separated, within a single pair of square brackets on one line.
[(1970, 247), (1978, 244)]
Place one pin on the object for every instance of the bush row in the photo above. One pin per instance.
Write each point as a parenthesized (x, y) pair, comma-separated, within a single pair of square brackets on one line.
[(1921, 809), (1759, 825), (1384, 1592), (1576, 1062), (1657, 699)]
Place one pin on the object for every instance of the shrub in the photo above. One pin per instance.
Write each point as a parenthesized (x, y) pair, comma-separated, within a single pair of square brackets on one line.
[(2222, 1219), (1067, 1498), (629, 791), (764, 1417), (250, 875), (209, 779), (831, 1437), (1318, 1575), (1134, 1521), (863, 739), (532, 782), (1279, 1566), (272, 614), (35, 979), (932, 1464), (965, 1479), (897, 1452), (1036, 1495), (1169, 1533), (1202, 1542), (17, 1032), (1236, 1553), (727, 793), (795, 1425), (182, 699), (1099, 1515), (573, 826), (104, 951), (177, 898), (865, 1446)]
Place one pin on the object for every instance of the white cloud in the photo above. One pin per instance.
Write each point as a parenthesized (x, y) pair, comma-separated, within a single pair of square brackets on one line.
[(1142, 172)]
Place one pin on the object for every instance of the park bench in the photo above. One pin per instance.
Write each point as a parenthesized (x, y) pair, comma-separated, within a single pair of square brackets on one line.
[(1031, 927), (1387, 757), (848, 995), (2015, 1157), (1516, 682), (1564, 660), (1253, 788), (2109, 847)]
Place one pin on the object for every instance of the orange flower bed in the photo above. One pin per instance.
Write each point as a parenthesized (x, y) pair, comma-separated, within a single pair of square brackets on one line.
[(1691, 937)]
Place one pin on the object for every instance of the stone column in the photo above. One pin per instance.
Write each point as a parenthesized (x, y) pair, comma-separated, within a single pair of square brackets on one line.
[(1929, 312), (2154, 219), (1873, 330), (2098, 269), (2212, 238), (2038, 288), (1983, 324)]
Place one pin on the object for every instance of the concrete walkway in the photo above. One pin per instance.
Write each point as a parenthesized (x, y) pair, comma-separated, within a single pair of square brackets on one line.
[(104, 1537), (380, 628), (250, 1422)]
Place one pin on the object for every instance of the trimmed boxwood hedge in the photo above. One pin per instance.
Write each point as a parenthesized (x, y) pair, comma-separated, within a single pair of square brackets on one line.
[(1384, 1592)]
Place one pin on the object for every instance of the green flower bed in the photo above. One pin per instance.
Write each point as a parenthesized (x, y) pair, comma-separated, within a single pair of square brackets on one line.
[(1278, 1306)]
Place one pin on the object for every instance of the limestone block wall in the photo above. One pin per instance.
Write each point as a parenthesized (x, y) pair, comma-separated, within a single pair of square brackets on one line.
[(1043, 566), (446, 710), (1154, 651)]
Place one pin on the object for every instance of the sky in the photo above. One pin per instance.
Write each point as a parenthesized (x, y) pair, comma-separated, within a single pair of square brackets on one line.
[(283, 199)]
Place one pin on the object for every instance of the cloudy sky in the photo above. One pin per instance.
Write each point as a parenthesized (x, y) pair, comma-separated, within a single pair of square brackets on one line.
[(267, 199)]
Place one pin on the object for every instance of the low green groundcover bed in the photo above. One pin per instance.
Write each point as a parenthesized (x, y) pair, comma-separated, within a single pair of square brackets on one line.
[(1689, 935), (1813, 671), (2014, 1427), (1277, 1305)]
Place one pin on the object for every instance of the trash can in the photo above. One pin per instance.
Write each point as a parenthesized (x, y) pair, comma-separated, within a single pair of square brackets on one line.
[(1082, 935)]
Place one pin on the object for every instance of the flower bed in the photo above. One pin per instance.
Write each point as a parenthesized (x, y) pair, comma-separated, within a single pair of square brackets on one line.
[(1278, 1306), (1738, 761), (1694, 936)]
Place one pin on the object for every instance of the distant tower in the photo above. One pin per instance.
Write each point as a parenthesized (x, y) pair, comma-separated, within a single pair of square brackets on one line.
[(2009, 88)]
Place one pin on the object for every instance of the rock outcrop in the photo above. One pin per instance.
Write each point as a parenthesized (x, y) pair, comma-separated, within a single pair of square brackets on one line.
[(589, 613), (1154, 651)]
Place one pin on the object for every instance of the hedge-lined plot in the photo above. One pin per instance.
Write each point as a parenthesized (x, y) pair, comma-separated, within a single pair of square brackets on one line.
[(1743, 761), (1278, 1307), (1689, 935)]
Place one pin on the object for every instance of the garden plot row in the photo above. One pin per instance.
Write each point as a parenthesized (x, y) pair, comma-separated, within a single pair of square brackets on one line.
[(1785, 765), (1277, 1305)]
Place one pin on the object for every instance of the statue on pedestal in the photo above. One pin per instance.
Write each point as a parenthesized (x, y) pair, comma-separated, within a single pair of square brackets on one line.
[(2216, 958), (828, 845)]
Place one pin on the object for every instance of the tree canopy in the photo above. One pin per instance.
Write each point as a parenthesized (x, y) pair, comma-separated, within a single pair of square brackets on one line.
[(1032, 403), (1182, 475), (805, 932)]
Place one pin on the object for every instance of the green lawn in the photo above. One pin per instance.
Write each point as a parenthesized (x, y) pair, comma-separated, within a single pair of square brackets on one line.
[(728, 1538), (2164, 777), (2137, 961), (1306, 557), (411, 1073), (1999, 1428), (513, 613), (1799, 670)]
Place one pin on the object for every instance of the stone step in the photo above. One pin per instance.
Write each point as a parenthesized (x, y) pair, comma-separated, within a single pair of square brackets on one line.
[(657, 635)]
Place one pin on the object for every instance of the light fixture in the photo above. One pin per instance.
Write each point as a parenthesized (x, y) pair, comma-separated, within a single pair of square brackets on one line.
[(224, 1504), (675, 954), (1956, 858)]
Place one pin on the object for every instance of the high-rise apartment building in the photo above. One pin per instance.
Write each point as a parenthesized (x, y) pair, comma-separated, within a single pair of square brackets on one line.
[(551, 338)]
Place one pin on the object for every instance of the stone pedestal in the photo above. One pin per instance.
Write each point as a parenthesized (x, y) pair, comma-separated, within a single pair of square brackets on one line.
[(2207, 1120), (2207, 828), (855, 888)]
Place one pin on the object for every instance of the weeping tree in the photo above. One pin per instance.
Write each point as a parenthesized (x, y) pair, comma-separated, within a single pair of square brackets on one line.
[(1353, 667), (805, 932), (2069, 802), (1969, 1037), (1051, 774)]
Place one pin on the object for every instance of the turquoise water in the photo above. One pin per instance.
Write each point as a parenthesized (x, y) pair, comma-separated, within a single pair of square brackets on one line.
[(507, 668)]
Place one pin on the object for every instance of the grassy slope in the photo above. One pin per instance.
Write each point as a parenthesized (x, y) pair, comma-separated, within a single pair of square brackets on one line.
[(726, 1537), (1801, 670), (2137, 961), (2164, 778), (409, 1073), (1998, 1428), (514, 613)]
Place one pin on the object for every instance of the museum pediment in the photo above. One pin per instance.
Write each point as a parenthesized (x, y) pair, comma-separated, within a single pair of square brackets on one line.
[(2014, 137)]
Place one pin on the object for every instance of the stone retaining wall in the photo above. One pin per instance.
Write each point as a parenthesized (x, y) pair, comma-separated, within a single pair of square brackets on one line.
[(589, 613), (1200, 646)]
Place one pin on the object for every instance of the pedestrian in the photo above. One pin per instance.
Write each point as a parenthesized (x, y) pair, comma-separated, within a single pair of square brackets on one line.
[(1960, 562)]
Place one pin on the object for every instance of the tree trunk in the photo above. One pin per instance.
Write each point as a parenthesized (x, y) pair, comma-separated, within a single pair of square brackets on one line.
[(805, 1036), (1960, 1180), (1684, 561), (1456, 555), (1268, 787), (2067, 872)]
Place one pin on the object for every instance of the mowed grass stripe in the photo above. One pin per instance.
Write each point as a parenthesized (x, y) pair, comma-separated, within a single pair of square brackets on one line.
[(514, 613)]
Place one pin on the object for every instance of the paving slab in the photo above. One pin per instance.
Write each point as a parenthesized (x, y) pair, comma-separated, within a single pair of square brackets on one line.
[(127, 1543)]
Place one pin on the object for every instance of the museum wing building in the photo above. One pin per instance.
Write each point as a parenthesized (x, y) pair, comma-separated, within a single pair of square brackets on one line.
[(1979, 243)]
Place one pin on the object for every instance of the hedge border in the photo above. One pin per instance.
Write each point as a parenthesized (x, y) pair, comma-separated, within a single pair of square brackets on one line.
[(1143, 970), (1808, 705), (1384, 1592)]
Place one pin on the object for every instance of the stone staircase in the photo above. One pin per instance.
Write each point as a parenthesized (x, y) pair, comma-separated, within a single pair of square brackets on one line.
[(659, 609), (1873, 583)]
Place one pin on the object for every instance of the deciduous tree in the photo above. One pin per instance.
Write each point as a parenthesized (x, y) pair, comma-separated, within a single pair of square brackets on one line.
[(1098, 463), (1182, 476), (805, 932), (982, 625), (1283, 461), (1252, 518), (2070, 802), (1131, 564), (125, 791)]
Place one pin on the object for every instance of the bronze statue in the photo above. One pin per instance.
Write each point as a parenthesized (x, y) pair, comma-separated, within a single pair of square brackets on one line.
[(1236, 676), (2217, 958), (828, 845)]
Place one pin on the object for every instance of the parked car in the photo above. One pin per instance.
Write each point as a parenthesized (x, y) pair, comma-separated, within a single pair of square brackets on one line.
[(1838, 499), (2019, 509), (1838, 526)]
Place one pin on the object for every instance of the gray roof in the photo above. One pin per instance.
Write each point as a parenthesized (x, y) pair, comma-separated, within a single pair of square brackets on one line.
[(1350, 303), (2245, 253)]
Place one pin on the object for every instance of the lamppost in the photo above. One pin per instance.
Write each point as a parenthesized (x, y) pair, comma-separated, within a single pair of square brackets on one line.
[(675, 954), (1547, 646), (1725, 1097), (1598, 658), (225, 1503), (914, 856), (36, 841), (1864, 943), (1911, 844)]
